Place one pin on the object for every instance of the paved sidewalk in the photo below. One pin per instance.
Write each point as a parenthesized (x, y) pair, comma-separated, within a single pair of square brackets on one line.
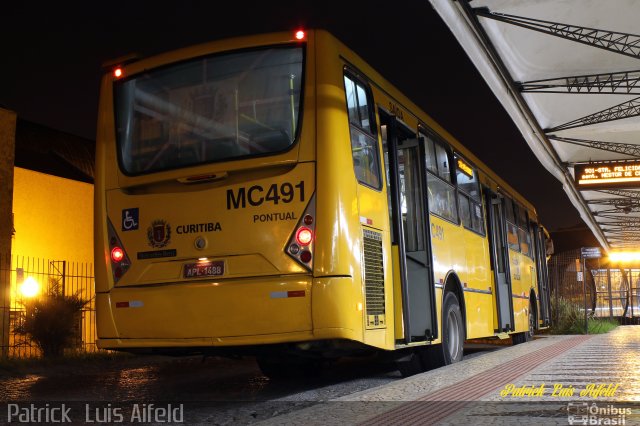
[(552, 380)]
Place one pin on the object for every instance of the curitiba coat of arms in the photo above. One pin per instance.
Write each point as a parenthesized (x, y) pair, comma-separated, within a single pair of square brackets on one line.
[(159, 233)]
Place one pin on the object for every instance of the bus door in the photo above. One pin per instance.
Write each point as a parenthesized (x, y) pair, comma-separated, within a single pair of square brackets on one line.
[(543, 274), (500, 260), (406, 183)]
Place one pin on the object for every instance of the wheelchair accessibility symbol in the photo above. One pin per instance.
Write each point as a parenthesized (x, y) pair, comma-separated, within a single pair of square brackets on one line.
[(130, 219)]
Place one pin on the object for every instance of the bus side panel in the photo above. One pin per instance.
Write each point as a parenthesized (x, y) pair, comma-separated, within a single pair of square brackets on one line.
[(105, 324), (520, 290), (337, 257), (337, 225), (448, 255), (529, 283), (397, 294), (335, 313), (479, 305), (103, 180)]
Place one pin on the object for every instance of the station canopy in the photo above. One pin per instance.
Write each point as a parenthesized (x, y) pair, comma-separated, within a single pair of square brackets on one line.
[(567, 72)]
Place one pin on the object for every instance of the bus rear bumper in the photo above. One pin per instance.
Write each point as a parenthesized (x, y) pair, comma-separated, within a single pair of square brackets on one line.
[(227, 312), (201, 344)]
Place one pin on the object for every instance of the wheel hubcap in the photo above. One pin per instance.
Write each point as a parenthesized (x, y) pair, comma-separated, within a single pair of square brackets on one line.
[(532, 326), (454, 335)]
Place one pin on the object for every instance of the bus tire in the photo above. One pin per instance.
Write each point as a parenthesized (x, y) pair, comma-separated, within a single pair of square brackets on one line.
[(451, 349), (526, 336)]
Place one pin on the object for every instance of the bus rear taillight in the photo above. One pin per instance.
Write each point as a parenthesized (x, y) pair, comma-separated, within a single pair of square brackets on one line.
[(120, 262), (304, 236), (299, 35), (117, 254), (300, 245)]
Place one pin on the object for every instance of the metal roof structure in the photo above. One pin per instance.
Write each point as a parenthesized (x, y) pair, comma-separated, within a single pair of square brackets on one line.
[(567, 72), (51, 151)]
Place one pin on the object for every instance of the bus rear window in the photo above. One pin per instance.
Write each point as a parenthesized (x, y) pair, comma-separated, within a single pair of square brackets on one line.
[(210, 109)]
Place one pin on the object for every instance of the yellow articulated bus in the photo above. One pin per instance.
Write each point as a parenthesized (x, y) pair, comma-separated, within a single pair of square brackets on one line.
[(274, 195)]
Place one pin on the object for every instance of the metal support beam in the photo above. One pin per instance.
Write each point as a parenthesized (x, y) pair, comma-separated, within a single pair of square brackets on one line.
[(621, 231), (622, 210), (621, 192), (621, 206), (622, 83), (617, 202), (619, 221), (622, 43), (617, 112), (619, 148), (465, 24), (624, 239)]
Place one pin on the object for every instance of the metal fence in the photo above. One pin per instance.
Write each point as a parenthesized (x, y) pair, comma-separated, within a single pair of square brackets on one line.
[(27, 278), (602, 289)]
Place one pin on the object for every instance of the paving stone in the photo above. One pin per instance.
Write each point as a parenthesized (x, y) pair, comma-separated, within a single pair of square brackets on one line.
[(612, 358)]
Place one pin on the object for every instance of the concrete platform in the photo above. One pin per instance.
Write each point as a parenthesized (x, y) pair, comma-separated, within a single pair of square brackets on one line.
[(551, 380)]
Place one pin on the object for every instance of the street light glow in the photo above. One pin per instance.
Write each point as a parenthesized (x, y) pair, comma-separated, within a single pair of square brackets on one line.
[(624, 256), (30, 287)]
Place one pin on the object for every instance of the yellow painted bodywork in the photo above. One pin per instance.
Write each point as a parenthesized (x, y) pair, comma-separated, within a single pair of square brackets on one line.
[(523, 283), (244, 306)]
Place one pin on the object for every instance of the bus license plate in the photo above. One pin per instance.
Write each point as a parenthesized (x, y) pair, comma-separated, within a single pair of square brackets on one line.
[(204, 269)]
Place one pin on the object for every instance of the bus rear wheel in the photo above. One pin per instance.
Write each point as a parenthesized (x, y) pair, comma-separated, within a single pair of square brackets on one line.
[(452, 329), (452, 346), (526, 336)]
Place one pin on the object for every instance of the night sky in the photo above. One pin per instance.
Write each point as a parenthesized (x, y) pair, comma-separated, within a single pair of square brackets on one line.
[(52, 55)]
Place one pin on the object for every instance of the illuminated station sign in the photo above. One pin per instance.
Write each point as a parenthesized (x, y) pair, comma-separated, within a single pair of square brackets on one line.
[(608, 174)]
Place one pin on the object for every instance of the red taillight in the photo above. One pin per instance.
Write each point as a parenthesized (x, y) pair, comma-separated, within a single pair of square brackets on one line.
[(117, 73), (117, 254), (304, 236), (299, 35), (302, 240), (305, 256), (120, 262)]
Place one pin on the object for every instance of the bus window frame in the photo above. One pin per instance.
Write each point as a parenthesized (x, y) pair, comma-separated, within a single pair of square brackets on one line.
[(509, 199), (299, 124), (527, 229), (426, 131), (472, 201), (375, 134)]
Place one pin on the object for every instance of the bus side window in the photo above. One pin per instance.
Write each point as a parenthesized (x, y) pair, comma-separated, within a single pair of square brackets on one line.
[(364, 143), (431, 154), (465, 210), (523, 231), (469, 195), (512, 228), (442, 193), (442, 159)]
